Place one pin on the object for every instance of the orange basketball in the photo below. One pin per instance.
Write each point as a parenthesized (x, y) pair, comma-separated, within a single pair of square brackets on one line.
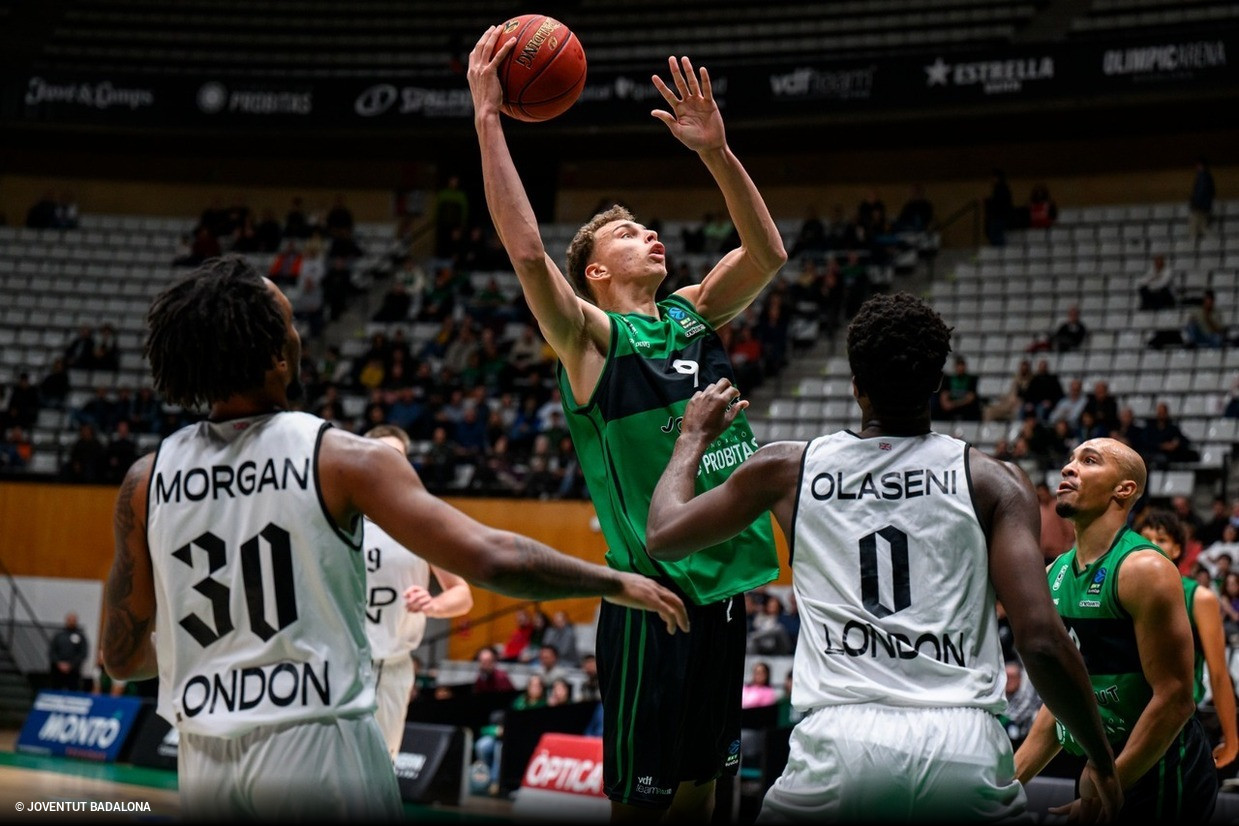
[(544, 73)]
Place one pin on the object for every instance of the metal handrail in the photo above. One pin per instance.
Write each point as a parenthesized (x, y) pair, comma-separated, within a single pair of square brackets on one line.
[(18, 596)]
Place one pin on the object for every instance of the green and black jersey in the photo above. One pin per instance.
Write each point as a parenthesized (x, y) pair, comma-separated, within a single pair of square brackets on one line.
[(1088, 602), (624, 435)]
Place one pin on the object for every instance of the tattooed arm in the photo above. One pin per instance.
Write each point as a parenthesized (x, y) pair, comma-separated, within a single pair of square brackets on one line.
[(129, 596)]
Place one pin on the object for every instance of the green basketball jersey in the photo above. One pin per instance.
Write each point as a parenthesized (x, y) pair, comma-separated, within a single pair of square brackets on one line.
[(1088, 602), (624, 435)]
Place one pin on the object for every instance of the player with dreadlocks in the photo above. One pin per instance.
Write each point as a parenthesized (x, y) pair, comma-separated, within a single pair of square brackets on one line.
[(901, 539), (238, 578)]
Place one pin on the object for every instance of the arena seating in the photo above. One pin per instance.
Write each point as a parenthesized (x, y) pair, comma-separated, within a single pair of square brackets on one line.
[(315, 38), (1091, 258)]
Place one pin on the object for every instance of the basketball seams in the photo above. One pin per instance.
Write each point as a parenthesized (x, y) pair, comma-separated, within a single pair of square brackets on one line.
[(547, 64), (557, 93), (508, 62)]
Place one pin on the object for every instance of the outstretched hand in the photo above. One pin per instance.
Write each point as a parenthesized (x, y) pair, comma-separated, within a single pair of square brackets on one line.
[(1101, 798), (482, 74), (647, 595), (711, 411), (694, 117)]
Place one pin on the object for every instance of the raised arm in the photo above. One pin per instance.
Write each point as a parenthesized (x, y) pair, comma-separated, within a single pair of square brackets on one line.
[(1151, 591), (502, 561), (679, 522), (1007, 503), (745, 271), (571, 325), (129, 594)]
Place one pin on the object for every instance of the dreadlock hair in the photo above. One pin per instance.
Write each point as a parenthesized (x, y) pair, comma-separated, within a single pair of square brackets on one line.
[(582, 247), (214, 333), (897, 346), (1162, 519)]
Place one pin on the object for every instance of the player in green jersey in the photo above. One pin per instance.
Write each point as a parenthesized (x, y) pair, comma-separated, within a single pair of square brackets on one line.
[(1122, 601), (1162, 527), (628, 365)]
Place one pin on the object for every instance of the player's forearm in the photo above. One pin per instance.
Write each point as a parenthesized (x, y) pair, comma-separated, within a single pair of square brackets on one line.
[(1038, 748), (1061, 680), (665, 539), (1160, 723), (525, 568), (759, 236), (128, 651), (453, 602), (510, 210), (1223, 692)]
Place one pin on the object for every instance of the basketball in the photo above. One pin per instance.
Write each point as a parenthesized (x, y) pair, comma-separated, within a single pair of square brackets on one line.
[(544, 73)]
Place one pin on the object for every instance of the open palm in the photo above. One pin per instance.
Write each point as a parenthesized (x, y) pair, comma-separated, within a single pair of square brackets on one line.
[(694, 117)]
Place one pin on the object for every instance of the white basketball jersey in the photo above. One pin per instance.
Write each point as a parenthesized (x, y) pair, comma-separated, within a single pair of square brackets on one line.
[(891, 574), (390, 569), (260, 594)]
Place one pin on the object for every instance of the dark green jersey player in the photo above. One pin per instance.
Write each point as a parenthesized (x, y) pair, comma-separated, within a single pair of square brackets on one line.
[(626, 431), (628, 365), (1122, 601)]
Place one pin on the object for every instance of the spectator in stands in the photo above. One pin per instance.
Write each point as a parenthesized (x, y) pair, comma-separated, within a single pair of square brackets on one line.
[(769, 635), (590, 689), (16, 449), (1044, 391), (1032, 445), (245, 237), (1165, 442), (22, 409), (1205, 327), (1103, 408), (204, 247), (107, 350), (42, 214), (1042, 211), (268, 232), (772, 332), (1129, 431), (1210, 530), (1011, 403), (958, 399), (489, 746), (719, 233), (1071, 334), (66, 654), (1200, 202), (285, 268), (758, 691), (1070, 406), (547, 665), (80, 351), (339, 221), (916, 214), (121, 452), (1023, 703), (87, 456), (145, 411), (438, 464), (451, 214), (1227, 545), (810, 237), (561, 635), (997, 209), (296, 224), (519, 639), (54, 387), (1057, 533), (99, 410), (490, 677), (1156, 285), (871, 214)]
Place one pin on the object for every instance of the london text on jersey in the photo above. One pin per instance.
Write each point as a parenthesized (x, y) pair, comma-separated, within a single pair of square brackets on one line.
[(895, 484), (242, 689), (245, 479), (863, 639)]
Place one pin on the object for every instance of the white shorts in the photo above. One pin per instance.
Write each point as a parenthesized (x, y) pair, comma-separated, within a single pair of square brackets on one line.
[(321, 771), (884, 764), (393, 684)]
